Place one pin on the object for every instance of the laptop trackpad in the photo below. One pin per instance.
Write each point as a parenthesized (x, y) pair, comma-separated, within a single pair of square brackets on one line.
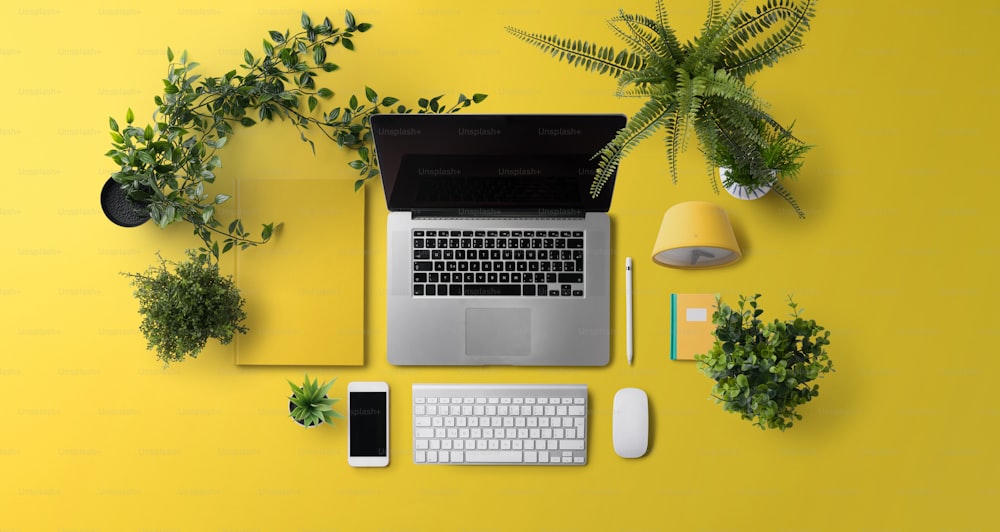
[(497, 331)]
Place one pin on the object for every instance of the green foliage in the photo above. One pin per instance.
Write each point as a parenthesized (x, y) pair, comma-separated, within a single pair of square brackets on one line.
[(762, 370), (755, 164), (310, 404), (697, 86), (167, 164), (185, 307)]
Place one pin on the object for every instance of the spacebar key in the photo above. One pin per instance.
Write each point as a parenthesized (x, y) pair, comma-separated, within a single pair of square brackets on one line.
[(486, 457), (492, 290)]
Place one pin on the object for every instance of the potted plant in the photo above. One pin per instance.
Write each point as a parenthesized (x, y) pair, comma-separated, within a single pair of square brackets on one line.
[(184, 306), (698, 86), (749, 169), (762, 370), (309, 405), (165, 166)]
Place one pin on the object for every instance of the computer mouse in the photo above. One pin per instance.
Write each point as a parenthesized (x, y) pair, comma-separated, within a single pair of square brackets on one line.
[(630, 425)]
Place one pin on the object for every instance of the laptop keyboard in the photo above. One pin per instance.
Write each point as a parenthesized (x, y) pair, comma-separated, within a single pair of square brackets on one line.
[(457, 263)]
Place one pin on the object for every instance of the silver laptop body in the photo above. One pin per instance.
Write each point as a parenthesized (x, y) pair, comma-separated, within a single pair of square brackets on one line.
[(496, 253)]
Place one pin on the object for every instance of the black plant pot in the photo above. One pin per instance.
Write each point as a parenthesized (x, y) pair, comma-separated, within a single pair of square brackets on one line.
[(119, 209)]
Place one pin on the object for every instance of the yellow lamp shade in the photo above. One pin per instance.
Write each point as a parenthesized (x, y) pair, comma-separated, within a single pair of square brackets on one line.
[(696, 234)]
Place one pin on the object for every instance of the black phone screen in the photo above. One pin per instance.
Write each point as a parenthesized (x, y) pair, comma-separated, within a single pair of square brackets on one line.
[(368, 423)]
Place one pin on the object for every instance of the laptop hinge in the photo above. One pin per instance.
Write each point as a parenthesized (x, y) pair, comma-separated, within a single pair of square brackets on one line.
[(502, 214)]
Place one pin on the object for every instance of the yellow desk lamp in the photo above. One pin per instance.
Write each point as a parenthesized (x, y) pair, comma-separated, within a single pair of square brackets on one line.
[(696, 234)]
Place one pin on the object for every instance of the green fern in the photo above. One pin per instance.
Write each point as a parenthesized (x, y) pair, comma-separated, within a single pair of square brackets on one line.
[(697, 87), (600, 59), (643, 124)]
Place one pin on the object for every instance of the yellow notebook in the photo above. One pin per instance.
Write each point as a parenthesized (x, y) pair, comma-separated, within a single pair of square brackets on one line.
[(691, 325), (304, 289)]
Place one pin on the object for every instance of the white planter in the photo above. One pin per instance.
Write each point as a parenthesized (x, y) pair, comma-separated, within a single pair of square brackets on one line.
[(741, 192)]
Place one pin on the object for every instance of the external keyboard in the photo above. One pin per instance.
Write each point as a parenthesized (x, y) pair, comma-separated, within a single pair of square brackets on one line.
[(498, 263), (493, 424)]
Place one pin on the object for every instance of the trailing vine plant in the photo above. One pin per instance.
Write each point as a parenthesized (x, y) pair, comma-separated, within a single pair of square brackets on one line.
[(167, 164)]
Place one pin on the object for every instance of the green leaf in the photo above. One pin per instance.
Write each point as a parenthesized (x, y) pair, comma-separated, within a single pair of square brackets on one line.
[(306, 21), (347, 43), (220, 142), (319, 54), (364, 26), (117, 137), (265, 234), (145, 157), (349, 20), (129, 117), (222, 198), (246, 121), (207, 214), (354, 102), (313, 102), (170, 54), (147, 134), (268, 48), (330, 67), (371, 95), (247, 57), (325, 93), (479, 98), (113, 123), (389, 101), (277, 37)]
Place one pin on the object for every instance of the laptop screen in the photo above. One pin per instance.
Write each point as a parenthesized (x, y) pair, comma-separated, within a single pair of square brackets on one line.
[(482, 162)]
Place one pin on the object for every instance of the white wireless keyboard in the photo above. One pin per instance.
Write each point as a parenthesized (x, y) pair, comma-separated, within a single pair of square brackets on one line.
[(493, 424)]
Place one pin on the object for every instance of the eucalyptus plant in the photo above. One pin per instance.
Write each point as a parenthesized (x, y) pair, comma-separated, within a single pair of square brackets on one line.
[(167, 164), (763, 370), (183, 304), (309, 404), (694, 88)]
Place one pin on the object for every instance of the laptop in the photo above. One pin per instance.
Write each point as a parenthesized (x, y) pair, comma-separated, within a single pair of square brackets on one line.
[(496, 252)]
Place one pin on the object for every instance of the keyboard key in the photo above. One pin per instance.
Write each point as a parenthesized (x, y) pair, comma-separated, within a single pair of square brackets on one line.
[(491, 290), (480, 457)]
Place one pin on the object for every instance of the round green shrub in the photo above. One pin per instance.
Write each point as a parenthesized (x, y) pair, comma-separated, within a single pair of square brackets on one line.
[(762, 370), (182, 308)]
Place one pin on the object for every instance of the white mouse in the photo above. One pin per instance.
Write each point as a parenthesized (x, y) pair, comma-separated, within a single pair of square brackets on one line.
[(631, 422)]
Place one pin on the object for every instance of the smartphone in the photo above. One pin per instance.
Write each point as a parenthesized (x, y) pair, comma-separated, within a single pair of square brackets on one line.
[(368, 424)]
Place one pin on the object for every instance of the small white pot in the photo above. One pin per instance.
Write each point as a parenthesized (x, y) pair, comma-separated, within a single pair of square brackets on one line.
[(741, 192)]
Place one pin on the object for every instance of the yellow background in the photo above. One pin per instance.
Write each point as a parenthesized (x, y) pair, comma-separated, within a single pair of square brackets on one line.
[(897, 257)]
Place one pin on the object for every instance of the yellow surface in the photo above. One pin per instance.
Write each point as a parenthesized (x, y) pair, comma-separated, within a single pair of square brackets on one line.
[(898, 258), (304, 290)]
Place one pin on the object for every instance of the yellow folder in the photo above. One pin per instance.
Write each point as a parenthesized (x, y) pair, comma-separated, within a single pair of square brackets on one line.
[(304, 289), (691, 329)]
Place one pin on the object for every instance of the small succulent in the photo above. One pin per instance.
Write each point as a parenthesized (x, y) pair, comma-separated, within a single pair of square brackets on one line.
[(310, 405)]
